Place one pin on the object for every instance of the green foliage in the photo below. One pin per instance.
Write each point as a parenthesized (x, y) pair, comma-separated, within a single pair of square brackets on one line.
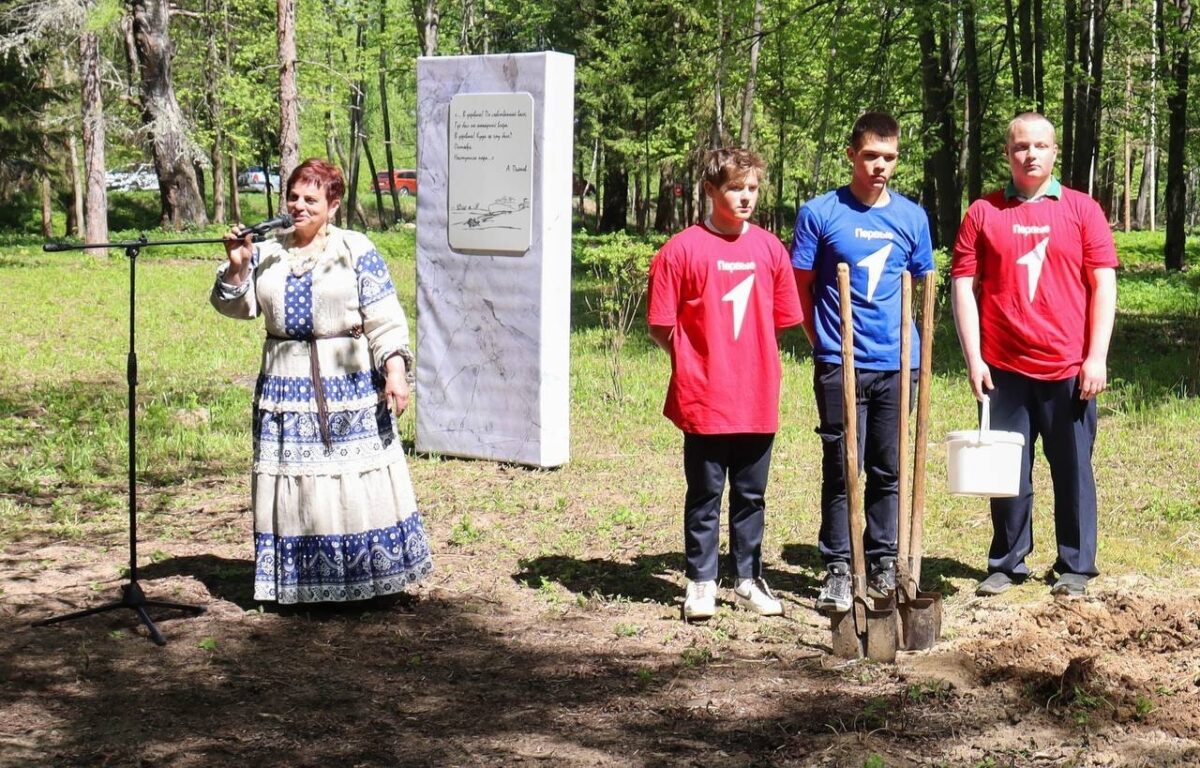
[(695, 657), (465, 532), (626, 629), (618, 266)]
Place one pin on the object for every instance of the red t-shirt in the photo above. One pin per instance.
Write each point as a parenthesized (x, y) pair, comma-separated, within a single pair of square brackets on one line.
[(1032, 260), (725, 296)]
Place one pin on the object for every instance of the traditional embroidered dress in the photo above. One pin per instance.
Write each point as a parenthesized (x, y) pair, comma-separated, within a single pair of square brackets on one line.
[(332, 522)]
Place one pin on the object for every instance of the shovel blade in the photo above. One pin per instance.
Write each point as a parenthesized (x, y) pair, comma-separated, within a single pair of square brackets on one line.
[(921, 621), (845, 641), (882, 631)]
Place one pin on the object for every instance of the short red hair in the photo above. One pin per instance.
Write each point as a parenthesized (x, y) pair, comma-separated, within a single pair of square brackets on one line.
[(322, 175)]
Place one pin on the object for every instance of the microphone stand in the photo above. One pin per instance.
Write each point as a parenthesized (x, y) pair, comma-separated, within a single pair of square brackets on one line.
[(132, 596)]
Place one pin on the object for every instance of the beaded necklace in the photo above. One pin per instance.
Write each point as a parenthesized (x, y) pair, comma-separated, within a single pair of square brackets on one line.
[(302, 259)]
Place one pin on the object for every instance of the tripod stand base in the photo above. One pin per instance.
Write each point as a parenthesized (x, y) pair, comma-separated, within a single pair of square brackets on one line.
[(133, 598)]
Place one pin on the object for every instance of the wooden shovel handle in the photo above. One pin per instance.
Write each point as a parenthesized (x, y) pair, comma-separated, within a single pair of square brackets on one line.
[(917, 534), (903, 505), (850, 435)]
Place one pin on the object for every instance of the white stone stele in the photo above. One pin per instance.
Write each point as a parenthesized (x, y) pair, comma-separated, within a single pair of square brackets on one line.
[(493, 326)]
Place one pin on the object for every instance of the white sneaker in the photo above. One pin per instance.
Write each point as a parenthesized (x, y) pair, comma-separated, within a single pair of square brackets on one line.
[(700, 601), (755, 595)]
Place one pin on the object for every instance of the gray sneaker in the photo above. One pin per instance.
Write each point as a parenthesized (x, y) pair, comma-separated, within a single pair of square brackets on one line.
[(835, 594), (995, 584), (881, 579), (1070, 585)]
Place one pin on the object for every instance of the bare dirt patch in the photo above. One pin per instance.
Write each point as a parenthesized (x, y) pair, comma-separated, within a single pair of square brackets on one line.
[(505, 660)]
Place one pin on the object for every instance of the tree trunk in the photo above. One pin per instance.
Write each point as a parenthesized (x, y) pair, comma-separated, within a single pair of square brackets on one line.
[(356, 108), (1066, 139), (427, 16), (289, 109), (466, 34), (366, 145), (939, 132), (235, 197), (616, 194), (1010, 40), (95, 219), (1142, 206), (75, 209), (215, 114), (264, 161), (1039, 47), (823, 119), (47, 208), (664, 213), (170, 144), (1127, 145), (716, 137), (1086, 97), (974, 105), (589, 180), (1025, 32), (639, 204), (748, 92), (387, 119), (1177, 106)]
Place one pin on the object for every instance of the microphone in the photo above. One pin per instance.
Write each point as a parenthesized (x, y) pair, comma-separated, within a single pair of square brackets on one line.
[(282, 221)]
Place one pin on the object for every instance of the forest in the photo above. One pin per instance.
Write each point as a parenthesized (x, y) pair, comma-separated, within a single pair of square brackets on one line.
[(550, 631), (204, 88)]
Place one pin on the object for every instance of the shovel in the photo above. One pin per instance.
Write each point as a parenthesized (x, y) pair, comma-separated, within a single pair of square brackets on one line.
[(865, 628), (920, 612)]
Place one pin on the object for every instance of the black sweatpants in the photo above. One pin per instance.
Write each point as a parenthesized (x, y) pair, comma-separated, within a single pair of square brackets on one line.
[(878, 445), (1067, 426), (707, 460)]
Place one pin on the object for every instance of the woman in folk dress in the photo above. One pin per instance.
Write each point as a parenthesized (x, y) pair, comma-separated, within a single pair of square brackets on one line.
[(335, 518)]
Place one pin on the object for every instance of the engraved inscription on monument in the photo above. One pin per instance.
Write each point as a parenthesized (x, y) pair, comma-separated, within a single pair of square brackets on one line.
[(491, 172)]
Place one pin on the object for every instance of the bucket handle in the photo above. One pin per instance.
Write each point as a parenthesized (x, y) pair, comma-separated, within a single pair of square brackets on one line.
[(985, 422)]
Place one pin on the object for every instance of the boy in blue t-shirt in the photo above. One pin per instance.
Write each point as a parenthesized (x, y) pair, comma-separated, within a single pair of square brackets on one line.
[(879, 234)]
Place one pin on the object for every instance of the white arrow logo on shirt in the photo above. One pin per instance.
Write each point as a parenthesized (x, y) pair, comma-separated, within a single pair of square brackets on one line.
[(1033, 265), (874, 266), (739, 296)]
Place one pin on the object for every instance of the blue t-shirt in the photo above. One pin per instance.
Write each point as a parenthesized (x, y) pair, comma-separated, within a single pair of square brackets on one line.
[(878, 244)]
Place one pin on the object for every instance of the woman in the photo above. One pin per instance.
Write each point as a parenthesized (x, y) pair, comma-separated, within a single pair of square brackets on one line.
[(335, 518)]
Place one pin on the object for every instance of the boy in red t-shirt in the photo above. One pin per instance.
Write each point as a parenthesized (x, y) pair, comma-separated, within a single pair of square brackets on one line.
[(1035, 296), (719, 294)]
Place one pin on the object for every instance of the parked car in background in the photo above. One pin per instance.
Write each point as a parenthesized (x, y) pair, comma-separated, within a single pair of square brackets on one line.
[(405, 182), (136, 176), (254, 180)]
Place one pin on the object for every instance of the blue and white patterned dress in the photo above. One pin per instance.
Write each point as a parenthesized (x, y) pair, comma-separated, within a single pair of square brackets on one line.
[(340, 524)]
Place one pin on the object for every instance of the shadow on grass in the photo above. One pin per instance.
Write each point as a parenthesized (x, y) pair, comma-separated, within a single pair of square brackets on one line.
[(648, 578)]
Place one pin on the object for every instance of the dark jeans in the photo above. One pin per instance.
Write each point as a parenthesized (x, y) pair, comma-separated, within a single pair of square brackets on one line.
[(1067, 426), (878, 394), (707, 460)]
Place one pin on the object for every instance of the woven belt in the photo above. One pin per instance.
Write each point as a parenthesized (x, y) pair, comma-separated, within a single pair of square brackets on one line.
[(314, 372)]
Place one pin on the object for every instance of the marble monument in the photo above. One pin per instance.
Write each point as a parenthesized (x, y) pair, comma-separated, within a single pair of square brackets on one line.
[(494, 154)]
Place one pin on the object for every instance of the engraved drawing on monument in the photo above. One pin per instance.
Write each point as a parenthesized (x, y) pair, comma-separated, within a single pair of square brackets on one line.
[(490, 172)]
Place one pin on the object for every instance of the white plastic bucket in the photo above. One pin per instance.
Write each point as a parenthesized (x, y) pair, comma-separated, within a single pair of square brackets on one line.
[(984, 462)]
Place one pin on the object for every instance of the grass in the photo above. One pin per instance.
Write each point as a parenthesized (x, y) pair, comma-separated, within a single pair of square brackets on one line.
[(613, 511)]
